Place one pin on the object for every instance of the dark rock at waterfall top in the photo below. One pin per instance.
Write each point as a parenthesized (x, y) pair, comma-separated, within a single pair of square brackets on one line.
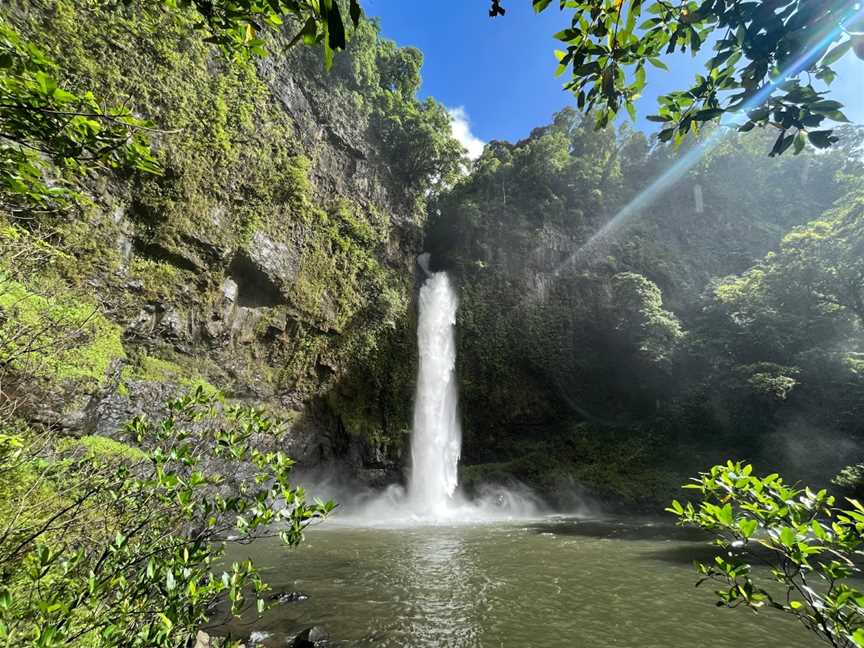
[(288, 597), (313, 637)]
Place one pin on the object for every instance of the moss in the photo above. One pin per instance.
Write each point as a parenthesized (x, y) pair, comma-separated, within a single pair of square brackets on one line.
[(159, 278), (158, 370), (20, 480), (340, 274), (56, 336), (103, 449)]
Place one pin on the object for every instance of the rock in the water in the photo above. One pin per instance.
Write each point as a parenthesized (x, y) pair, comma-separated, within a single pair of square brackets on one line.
[(203, 640), (314, 637), (258, 638), (288, 597)]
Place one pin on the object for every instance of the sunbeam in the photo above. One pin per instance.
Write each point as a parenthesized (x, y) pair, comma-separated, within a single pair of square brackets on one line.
[(688, 160)]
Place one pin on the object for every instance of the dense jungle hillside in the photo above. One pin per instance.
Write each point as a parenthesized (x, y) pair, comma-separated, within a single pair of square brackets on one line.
[(725, 315)]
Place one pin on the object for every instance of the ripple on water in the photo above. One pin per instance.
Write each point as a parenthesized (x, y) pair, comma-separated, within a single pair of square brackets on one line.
[(547, 583)]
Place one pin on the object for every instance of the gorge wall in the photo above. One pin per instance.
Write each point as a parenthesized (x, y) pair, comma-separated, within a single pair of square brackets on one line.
[(273, 259)]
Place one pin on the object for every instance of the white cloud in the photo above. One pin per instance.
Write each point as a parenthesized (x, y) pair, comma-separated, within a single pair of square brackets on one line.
[(460, 125)]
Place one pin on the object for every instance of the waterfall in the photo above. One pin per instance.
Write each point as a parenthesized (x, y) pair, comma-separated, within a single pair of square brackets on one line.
[(436, 439), (436, 436)]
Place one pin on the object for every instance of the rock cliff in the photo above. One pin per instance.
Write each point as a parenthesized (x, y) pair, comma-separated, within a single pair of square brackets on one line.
[(274, 258)]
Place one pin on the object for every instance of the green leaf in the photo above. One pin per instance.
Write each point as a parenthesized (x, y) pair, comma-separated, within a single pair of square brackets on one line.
[(540, 5), (335, 28), (355, 12), (821, 139), (708, 114), (640, 77), (837, 53), (788, 536), (748, 528), (800, 142), (825, 106), (725, 515)]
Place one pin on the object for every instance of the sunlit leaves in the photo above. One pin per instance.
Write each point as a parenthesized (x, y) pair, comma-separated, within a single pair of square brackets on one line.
[(764, 55), (50, 135), (808, 544), (141, 571), (234, 25)]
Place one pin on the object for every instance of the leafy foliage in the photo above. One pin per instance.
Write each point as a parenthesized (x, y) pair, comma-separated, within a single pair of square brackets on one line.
[(766, 55), (850, 480), (797, 312), (810, 545), (46, 126), (51, 133), (418, 134), (234, 24), (653, 330), (414, 134), (643, 330), (105, 545)]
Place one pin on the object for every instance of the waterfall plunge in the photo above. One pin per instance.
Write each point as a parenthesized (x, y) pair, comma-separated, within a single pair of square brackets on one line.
[(436, 439)]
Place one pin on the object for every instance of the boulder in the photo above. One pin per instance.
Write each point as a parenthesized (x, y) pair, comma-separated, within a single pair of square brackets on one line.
[(314, 637)]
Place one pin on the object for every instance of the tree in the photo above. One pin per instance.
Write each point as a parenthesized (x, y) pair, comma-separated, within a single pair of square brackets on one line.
[(825, 259), (418, 135), (809, 545), (809, 292), (105, 544), (766, 55), (651, 331)]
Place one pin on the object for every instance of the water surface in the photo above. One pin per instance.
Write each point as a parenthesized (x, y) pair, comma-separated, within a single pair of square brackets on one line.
[(546, 583)]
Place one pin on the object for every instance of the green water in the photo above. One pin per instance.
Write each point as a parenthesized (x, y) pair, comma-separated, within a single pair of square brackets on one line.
[(547, 583)]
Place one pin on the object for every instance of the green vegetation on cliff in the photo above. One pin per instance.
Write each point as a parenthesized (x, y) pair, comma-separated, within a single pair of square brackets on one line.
[(634, 332), (273, 254)]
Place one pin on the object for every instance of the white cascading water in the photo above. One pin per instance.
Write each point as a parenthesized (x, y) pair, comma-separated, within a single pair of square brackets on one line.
[(436, 439)]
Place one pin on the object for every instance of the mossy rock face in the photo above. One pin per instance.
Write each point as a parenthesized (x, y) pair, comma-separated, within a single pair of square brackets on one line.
[(273, 259), (56, 336)]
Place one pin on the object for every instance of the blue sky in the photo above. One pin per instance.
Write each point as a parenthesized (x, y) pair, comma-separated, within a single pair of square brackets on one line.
[(501, 72)]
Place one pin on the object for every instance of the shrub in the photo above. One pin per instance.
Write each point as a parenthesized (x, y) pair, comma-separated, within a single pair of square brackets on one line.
[(810, 546), (105, 545)]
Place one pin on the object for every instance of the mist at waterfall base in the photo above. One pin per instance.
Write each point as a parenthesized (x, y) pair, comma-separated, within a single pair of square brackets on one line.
[(432, 495)]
